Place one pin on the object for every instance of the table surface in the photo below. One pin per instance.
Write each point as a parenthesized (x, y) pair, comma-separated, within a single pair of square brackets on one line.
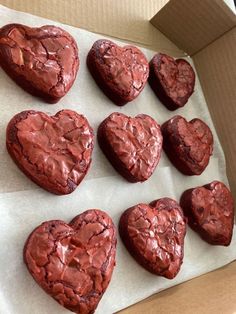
[(214, 292)]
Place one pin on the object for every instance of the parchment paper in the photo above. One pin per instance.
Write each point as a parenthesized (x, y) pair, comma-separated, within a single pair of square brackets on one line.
[(23, 205)]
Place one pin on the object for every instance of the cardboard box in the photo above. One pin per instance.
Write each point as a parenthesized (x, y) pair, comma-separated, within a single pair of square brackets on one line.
[(206, 30)]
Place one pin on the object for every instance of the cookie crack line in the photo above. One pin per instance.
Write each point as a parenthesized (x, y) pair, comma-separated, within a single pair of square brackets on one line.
[(200, 138), (132, 145), (60, 74), (97, 234), (184, 146), (69, 148), (131, 68), (120, 72), (188, 150), (61, 236), (158, 234), (71, 41), (52, 227), (215, 197), (85, 294), (176, 78), (26, 30), (210, 212), (43, 61), (42, 173), (154, 235)]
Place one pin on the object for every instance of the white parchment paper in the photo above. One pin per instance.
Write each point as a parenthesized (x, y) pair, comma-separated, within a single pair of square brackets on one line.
[(23, 205)]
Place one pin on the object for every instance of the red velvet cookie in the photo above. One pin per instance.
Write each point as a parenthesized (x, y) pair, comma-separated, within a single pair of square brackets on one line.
[(73, 262), (43, 61), (120, 72), (132, 145), (55, 152), (154, 235), (188, 145), (210, 212), (172, 80)]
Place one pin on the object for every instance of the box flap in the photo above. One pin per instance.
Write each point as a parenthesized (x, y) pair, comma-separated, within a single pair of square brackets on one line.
[(192, 25)]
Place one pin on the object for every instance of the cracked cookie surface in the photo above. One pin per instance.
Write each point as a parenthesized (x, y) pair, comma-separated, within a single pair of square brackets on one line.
[(73, 262), (44, 61), (210, 212), (188, 145), (53, 151), (172, 80), (121, 72), (154, 235), (132, 145)]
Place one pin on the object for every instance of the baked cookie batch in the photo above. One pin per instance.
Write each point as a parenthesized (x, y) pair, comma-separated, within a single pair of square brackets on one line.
[(73, 262)]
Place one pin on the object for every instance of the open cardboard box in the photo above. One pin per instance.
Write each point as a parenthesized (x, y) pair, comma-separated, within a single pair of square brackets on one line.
[(205, 30)]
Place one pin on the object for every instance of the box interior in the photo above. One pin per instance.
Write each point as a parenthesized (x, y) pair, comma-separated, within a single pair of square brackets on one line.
[(203, 29), (214, 54), (206, 30)]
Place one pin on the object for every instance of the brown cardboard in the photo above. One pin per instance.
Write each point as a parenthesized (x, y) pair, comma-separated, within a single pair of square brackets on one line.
[(123, 19), (213, 293), (207, 31), (216, 67), (126, 19), (192, 24)]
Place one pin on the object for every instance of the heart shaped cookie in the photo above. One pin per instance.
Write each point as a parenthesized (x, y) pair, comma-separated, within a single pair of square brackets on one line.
[(55, 152), (43, 61), (120, 72), (132, 145), (188, 145), (210, 212), (154, 235), (172, 80), (73, 262)]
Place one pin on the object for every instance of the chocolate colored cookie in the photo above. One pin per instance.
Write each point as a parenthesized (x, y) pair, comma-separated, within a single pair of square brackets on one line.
[(55, 152), (73, 262), (188, 145), (120, 72), (172, 80), (154, 235), (43, 61), (210, 212), (132, 145)]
